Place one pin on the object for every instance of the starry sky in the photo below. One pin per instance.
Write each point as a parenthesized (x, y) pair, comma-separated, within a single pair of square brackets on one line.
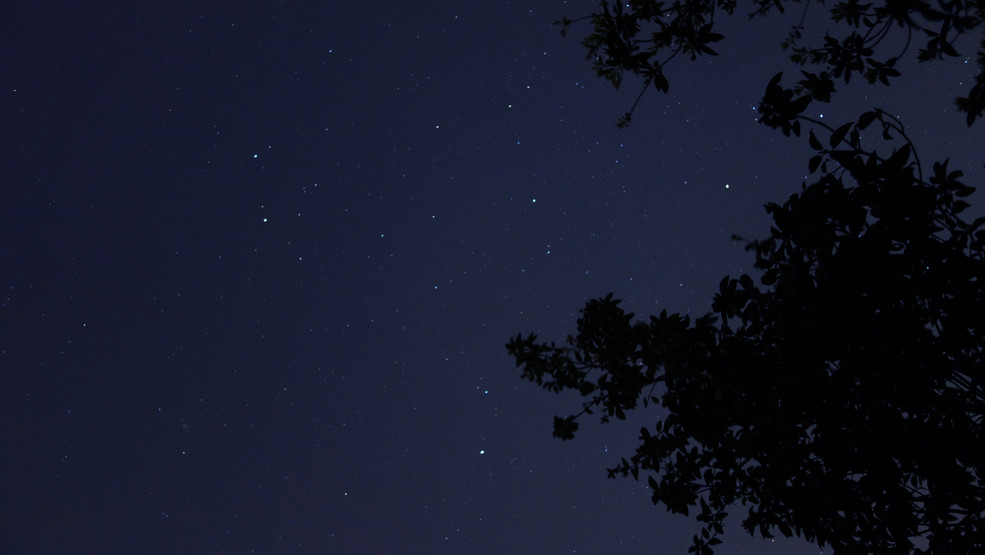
[(259, 261)]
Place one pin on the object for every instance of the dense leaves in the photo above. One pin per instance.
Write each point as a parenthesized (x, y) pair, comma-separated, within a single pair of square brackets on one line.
[(642, 36), (841, 398)]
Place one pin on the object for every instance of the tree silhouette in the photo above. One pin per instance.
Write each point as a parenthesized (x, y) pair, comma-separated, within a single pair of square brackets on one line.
[(643, 36), (841, 398)]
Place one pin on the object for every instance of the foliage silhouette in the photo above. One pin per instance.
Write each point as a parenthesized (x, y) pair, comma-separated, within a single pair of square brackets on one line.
[(842, 398), (642, 37)]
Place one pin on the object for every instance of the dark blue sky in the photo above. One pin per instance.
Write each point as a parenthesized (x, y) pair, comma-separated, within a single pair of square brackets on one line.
[(259, 263)]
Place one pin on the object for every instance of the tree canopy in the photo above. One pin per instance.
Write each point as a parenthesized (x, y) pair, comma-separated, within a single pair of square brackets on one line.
[(642, 37), (841, 398)]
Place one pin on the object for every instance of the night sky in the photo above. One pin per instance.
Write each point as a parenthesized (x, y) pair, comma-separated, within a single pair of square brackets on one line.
[(259, 262)]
